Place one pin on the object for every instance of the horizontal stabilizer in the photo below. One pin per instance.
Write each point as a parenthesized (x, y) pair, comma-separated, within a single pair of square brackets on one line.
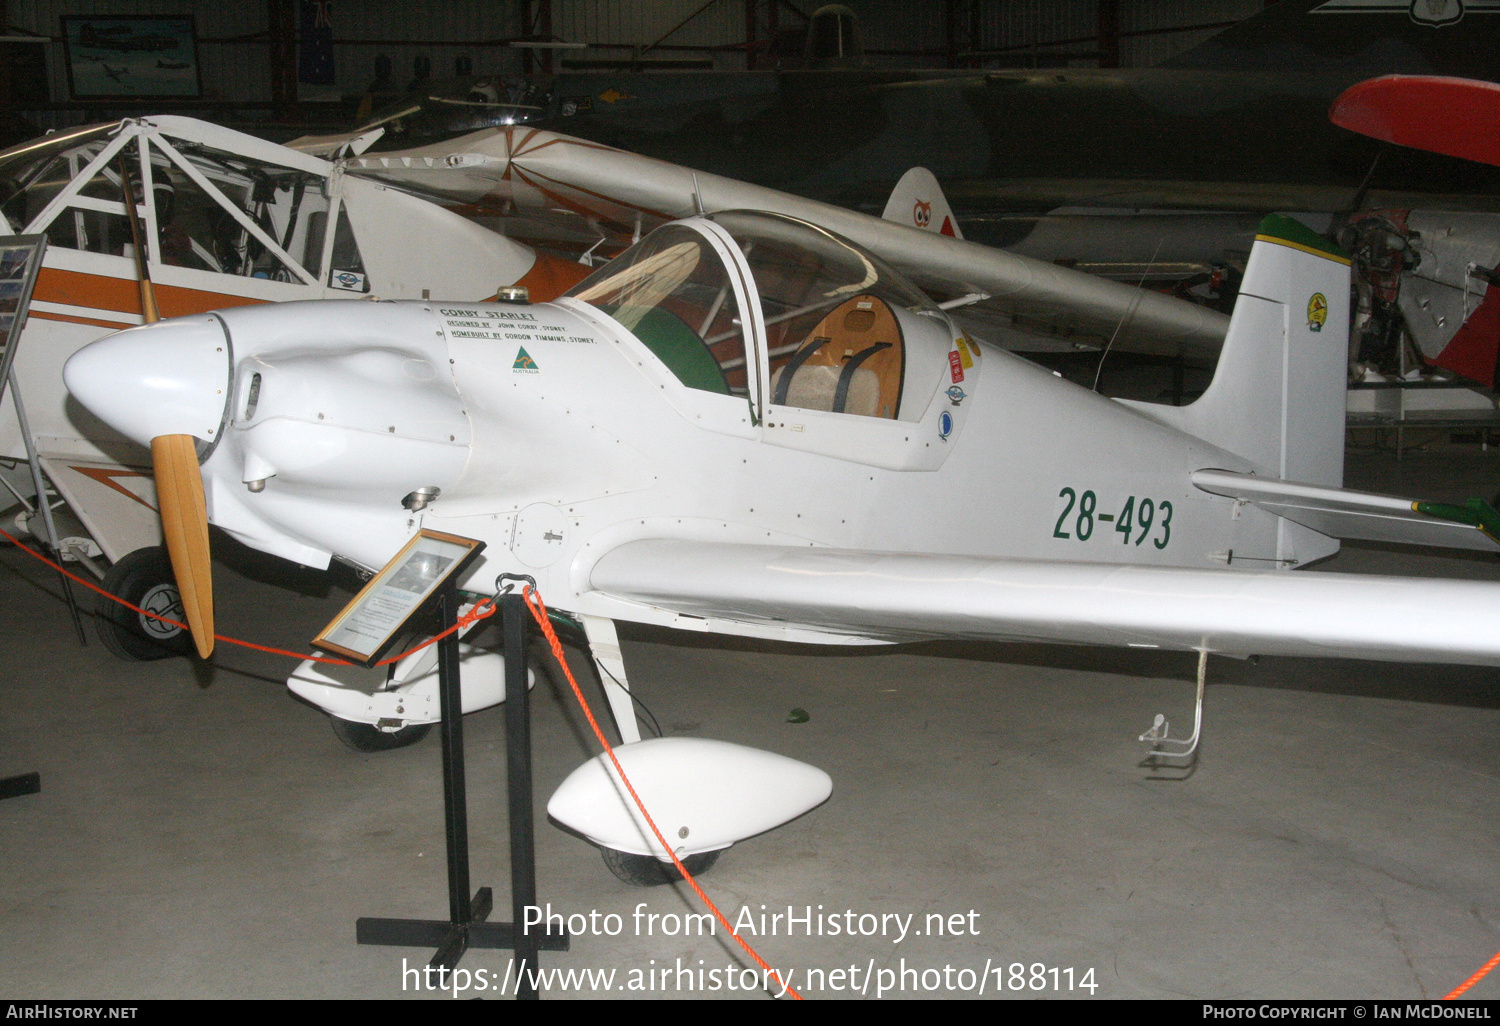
[(1340, 513), (909, 597)]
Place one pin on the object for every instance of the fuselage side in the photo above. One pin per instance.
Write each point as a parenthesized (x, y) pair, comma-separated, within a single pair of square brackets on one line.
[(582, 440)]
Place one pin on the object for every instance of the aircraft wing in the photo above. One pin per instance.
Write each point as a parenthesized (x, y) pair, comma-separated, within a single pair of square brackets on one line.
[(1341, 513), (910, 597), (616, 195), (1458, 117)]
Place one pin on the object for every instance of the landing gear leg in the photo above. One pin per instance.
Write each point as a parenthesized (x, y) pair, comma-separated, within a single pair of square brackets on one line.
[(604, 644)]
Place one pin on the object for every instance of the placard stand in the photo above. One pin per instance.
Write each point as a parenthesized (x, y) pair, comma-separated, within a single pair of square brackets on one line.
[(466, 926)]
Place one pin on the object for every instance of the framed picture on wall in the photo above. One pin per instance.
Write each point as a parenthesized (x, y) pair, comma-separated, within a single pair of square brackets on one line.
[(132, 58)]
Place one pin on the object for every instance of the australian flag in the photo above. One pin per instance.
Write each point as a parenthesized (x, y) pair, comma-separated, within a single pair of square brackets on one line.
[(315, 56)]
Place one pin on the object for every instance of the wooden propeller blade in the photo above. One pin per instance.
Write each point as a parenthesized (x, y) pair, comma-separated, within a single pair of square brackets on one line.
[(184, 521)]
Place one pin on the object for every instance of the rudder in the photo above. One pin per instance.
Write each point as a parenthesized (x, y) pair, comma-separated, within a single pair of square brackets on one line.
[(918, 201), (1278, 393)]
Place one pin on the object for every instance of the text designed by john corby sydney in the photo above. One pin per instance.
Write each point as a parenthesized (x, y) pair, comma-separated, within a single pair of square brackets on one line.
[(755, 921)]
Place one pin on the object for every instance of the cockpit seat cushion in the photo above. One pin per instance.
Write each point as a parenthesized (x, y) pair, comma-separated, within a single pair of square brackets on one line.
[(814, 387)]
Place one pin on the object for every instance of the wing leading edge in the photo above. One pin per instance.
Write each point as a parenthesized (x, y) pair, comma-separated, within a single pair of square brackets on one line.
[(614, 193), (909, 597)]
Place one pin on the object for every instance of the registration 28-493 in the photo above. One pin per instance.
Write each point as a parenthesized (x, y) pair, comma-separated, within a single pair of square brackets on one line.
[(1136, 520)]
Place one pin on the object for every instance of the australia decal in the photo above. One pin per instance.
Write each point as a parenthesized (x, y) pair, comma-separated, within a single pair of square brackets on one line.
[(1317, 312), (524, 363)]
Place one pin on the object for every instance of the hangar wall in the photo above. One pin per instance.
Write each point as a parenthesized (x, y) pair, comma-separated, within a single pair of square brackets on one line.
[(234, 49)]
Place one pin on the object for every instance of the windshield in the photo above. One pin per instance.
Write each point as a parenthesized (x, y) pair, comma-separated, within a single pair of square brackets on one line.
[(33, 172), (671, 291), (834, 317), (453, 108), (202, 200), (844, 331)]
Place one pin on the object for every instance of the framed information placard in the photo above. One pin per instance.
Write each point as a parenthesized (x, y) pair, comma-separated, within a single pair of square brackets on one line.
[(367, 627)]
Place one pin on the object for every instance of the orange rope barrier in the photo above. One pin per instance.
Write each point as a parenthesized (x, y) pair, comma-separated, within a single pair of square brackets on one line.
[(539, 613), (1457, 991), (484, 608)]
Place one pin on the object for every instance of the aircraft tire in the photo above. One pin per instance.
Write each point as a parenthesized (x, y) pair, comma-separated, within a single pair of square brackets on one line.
[(648, 871), (365, 737), (142, 578)]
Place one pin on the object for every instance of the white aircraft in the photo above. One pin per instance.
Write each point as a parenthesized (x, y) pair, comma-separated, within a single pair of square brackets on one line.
[(241, 221), (748, 424), (231, 220)]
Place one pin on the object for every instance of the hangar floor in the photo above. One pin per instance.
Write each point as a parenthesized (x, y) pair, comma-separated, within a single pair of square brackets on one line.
[(202, 834)]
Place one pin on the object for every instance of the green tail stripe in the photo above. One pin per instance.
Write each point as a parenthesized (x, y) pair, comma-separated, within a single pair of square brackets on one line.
[(1475, 513), (1293, 230)]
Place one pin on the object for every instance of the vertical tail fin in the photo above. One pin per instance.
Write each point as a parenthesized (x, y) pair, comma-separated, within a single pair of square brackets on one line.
[(918, 201), (1278, 394)]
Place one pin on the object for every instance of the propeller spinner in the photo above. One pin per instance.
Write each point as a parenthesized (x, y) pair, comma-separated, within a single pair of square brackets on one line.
[(166, 386)]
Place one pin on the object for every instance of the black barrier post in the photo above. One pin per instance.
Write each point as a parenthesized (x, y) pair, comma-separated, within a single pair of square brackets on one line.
[(466, 927), (513, 619)]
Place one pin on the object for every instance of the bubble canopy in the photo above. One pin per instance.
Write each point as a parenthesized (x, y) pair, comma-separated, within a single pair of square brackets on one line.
[(840, 326), (797, 265)]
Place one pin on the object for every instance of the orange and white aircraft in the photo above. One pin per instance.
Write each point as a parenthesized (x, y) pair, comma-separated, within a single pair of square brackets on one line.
[(230, 220)]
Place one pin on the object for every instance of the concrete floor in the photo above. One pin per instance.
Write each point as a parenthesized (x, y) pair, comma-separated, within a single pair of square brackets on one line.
[(202, 834)]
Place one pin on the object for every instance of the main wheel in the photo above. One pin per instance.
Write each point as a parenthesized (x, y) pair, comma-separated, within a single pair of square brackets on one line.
[(365, 737), (143, 578), (649, 871)]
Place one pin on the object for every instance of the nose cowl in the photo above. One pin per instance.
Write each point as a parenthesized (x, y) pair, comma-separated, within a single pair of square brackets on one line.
[(168, 378)]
